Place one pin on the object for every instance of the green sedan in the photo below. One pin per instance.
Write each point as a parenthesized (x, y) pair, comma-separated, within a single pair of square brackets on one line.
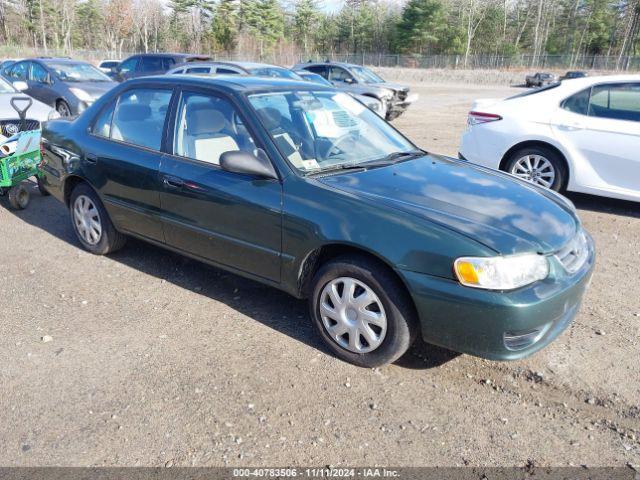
[(303, 188)]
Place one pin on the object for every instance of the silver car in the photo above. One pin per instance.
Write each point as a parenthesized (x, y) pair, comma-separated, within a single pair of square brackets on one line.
[(360, 80)]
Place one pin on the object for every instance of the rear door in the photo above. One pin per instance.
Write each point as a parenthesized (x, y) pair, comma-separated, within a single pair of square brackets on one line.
[(151, 66), (231, 219), (40, 85), (125, 151), (602, 124)]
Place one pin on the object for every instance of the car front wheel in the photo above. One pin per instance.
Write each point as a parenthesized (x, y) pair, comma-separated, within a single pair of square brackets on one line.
[(91, 222), (362, 312), (538, 165)]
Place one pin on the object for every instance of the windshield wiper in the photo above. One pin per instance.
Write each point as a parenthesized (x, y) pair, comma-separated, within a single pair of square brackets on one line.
[(390, 159), (397, 157)]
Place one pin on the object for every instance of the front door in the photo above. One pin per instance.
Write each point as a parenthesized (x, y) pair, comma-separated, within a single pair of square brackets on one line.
[(231, 219)]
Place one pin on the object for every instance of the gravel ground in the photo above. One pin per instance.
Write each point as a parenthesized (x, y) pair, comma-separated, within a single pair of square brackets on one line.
[(147, 358)]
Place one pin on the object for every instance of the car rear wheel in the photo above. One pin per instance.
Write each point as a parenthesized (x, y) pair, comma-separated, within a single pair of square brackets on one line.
[(538, 165), (91, 222), (361, 312), (63, 108)]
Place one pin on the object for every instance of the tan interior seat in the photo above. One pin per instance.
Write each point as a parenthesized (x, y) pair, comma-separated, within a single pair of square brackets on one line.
[(206, 138)]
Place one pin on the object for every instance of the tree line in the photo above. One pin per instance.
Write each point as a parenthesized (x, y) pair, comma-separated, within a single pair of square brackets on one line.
[(258, 28)]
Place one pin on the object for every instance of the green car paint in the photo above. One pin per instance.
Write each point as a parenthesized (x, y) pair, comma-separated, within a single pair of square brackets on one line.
[(416, 216)]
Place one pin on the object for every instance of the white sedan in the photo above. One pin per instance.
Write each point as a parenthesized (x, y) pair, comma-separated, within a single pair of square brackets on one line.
[(581, 135)]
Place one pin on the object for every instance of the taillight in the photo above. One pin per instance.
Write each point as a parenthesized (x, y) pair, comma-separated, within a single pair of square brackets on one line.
[(476, 118), (42, 157)]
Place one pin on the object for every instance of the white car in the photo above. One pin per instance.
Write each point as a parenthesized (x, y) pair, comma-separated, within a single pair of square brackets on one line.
[(582, 135), (10, 123)]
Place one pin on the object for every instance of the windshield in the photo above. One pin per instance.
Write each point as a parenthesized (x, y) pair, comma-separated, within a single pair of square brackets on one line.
[(5, 87), (274, 72), (78, 72), (325, 130), (365, 75)]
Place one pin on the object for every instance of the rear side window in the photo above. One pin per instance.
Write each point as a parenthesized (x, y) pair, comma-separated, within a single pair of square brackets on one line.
[(198, 70), (102, 124), (151, 64), (618, 102), (226, 71), (138, 118), (578, 102)]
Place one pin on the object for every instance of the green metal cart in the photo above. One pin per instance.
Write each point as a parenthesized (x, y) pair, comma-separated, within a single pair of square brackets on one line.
[(19, 160)]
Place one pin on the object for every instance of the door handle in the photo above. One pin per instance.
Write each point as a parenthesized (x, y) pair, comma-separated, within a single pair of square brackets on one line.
[(173, 182), (574, 126), (91, 158)]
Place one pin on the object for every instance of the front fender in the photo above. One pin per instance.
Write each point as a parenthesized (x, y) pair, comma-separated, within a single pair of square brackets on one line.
[(316, 215)]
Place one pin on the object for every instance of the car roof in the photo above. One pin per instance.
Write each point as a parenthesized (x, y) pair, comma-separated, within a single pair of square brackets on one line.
[(336, 64), (232, 83), (47, 60), (585, 82)]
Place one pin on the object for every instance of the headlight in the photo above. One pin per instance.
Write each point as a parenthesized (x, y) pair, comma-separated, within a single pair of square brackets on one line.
[(53, 114), (501, 273), (82, 95), (386, 95)]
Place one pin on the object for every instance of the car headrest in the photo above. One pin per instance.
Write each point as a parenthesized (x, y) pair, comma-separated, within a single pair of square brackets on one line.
[(133, 112), (271, 117), (204, 119)]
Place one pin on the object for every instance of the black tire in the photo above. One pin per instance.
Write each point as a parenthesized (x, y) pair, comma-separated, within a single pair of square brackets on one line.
[(402, 324), (43, 191), (63, 108), (19, 197), (110, 239), (559, 166)]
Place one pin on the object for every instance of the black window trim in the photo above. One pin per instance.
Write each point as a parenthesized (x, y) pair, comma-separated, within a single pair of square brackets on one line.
[(173, 118), (590, 88), (169, 88)]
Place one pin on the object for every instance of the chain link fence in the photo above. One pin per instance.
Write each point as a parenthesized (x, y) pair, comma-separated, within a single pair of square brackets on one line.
[(489, 62)]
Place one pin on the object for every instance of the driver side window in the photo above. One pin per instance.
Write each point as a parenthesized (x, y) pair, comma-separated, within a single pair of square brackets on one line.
[(338, 74), (208, 126), (38, 73)]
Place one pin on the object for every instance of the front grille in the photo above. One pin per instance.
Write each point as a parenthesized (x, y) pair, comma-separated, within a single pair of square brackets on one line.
[(575, 253), (8, 128)]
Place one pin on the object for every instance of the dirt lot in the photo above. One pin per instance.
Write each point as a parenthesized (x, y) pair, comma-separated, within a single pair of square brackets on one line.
[(158, 360)]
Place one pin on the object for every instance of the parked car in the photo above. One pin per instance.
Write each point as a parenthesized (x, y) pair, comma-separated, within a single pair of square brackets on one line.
[(109, 67), (371, 102), (574, 74), (10, 123), (303, 188), (582, 136), (146, 64), (540, 79), (6, 63), (69, 86), (236, 68), (362, 81)]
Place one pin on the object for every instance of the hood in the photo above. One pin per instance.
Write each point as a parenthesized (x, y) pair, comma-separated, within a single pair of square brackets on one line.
[(503, 213), (396, 87), (38, 110), (95, 89)]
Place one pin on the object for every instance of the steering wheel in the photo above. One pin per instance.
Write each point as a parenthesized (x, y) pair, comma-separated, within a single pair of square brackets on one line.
[(337, 143)]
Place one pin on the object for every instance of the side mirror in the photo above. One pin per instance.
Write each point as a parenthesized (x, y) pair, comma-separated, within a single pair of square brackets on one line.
[(20, 85), (349, 80), (239, 161)]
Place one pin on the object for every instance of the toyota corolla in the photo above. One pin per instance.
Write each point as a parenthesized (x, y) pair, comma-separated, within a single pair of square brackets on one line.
[(303, 188)]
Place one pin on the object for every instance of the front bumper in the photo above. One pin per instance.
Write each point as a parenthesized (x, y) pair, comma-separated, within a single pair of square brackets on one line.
[(498, 325)]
